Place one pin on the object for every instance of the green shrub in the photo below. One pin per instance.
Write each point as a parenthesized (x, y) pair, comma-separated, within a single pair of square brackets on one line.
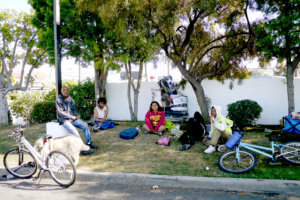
[(84, 97), (244, 112), (23, 104), (44, 112), (51, 96)]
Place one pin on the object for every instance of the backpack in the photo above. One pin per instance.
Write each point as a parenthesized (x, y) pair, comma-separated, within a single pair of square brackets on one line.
[(164, 141), (129, 133)]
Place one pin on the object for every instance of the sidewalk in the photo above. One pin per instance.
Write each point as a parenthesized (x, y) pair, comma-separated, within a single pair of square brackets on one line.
[(269, 186)]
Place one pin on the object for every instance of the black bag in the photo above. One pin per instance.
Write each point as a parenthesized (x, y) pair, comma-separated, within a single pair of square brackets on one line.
[(194, 131)]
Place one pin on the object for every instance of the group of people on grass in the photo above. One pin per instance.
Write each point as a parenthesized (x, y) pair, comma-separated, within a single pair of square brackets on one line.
[(154, 120)]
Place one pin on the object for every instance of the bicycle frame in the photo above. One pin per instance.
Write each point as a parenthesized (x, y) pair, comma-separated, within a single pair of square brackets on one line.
[(258, 149), (35, 154)]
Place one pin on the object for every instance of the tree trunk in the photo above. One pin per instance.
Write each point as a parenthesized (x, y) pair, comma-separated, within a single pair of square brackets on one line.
[(137, 91), (128, 72), (290, 88), (199, 92), (97, 83), (198, 89), (103, 81), (3, 110)]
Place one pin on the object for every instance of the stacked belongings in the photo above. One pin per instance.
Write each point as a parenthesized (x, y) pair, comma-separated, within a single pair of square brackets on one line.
[(174, 103)]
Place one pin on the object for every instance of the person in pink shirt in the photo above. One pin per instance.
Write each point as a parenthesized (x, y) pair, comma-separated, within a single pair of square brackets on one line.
[(155, 119)]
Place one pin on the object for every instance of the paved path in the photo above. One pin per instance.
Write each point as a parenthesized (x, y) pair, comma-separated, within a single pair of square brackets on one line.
[(49, 190), (104, 185)]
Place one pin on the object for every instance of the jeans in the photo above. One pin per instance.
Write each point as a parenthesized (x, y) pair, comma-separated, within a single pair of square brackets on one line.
[(107, 124), (70, 126)]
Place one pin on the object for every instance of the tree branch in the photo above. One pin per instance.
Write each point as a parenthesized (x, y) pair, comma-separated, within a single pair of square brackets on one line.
[(199, 59), (23, 65)]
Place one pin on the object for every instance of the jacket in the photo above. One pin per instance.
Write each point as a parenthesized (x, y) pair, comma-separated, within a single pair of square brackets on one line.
[(65, 108), (221, 123), (154, 119)]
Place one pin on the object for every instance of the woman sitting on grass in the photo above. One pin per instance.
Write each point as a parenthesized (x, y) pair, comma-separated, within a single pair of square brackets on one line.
[(155, 119)]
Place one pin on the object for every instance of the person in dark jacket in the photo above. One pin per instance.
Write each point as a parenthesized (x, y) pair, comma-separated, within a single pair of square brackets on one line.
[(67, 115)]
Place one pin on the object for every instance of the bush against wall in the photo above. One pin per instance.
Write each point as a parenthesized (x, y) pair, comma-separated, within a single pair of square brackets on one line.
[(44, 112), (244, 112), (84, 97)]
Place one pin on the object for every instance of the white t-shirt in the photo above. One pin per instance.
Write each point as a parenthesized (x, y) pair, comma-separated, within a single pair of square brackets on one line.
[(101, 113)]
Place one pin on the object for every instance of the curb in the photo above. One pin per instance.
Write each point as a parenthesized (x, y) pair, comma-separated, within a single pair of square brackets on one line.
[(272, 186), (267, 186)]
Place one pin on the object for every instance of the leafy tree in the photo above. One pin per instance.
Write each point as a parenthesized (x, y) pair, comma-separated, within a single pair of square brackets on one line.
[(82, 34), (18, 45), (279, 38), (204, 39), (135, 44)]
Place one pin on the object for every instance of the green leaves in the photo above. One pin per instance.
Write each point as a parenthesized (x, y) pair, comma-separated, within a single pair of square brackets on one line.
[(244, 112)]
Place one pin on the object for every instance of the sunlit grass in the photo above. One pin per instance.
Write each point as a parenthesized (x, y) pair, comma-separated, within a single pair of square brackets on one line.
[(143, 155)]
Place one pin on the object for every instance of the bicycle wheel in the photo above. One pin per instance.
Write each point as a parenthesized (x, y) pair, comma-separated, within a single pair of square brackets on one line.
[(20, 163), (229, 163), (61, 168), (291, 152)]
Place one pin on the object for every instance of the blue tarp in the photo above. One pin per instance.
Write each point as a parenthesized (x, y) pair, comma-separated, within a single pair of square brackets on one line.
[(291, 125)]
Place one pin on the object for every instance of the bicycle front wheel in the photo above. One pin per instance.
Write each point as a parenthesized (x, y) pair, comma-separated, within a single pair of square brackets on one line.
[(20, 163), (228, 162), (291, 152), (61, 168)]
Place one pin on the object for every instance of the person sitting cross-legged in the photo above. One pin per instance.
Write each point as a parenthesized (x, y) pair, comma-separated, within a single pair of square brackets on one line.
[(155, 119), (100, 116), (220, 128), (67, 115)]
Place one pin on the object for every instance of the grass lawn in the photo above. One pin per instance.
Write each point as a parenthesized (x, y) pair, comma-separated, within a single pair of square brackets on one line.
[(143, 155)]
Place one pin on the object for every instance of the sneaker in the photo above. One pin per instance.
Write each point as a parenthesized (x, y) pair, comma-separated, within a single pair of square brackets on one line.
[(146, 132), (92, 146), (86, 153), (210, 149), (159, 133)]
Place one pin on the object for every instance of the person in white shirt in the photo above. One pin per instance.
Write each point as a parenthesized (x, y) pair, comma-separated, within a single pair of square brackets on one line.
[(100, 116)]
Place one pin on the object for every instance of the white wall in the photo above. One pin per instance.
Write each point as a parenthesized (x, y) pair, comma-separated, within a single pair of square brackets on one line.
[(269, 93)]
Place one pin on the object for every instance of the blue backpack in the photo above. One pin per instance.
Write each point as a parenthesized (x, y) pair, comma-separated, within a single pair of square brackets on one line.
[(129, 133)]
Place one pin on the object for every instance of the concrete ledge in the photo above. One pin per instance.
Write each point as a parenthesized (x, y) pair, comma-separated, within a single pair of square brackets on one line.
[(272, 186), (208, 183)]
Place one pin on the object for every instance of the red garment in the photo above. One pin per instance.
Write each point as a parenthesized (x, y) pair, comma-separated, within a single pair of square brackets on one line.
[(154, 119)]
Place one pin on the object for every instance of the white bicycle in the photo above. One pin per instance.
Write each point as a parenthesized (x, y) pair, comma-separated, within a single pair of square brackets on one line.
[(23, 161)]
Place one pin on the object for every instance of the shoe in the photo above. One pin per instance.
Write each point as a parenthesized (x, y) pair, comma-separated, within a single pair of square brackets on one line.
[(146, 132), (86, 153), (210, 149), (159, 133), (92, 146)]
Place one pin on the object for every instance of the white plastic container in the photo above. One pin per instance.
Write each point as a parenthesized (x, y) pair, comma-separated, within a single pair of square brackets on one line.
[(55, 130)]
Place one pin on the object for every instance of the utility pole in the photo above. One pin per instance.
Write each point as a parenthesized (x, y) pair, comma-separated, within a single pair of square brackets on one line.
[(57, 46)]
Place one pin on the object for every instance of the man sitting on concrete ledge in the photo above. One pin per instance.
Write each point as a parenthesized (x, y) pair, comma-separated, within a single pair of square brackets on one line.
[(67, 115)]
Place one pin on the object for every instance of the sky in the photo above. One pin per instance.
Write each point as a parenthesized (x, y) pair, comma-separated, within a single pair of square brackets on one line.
[(70, 71)]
